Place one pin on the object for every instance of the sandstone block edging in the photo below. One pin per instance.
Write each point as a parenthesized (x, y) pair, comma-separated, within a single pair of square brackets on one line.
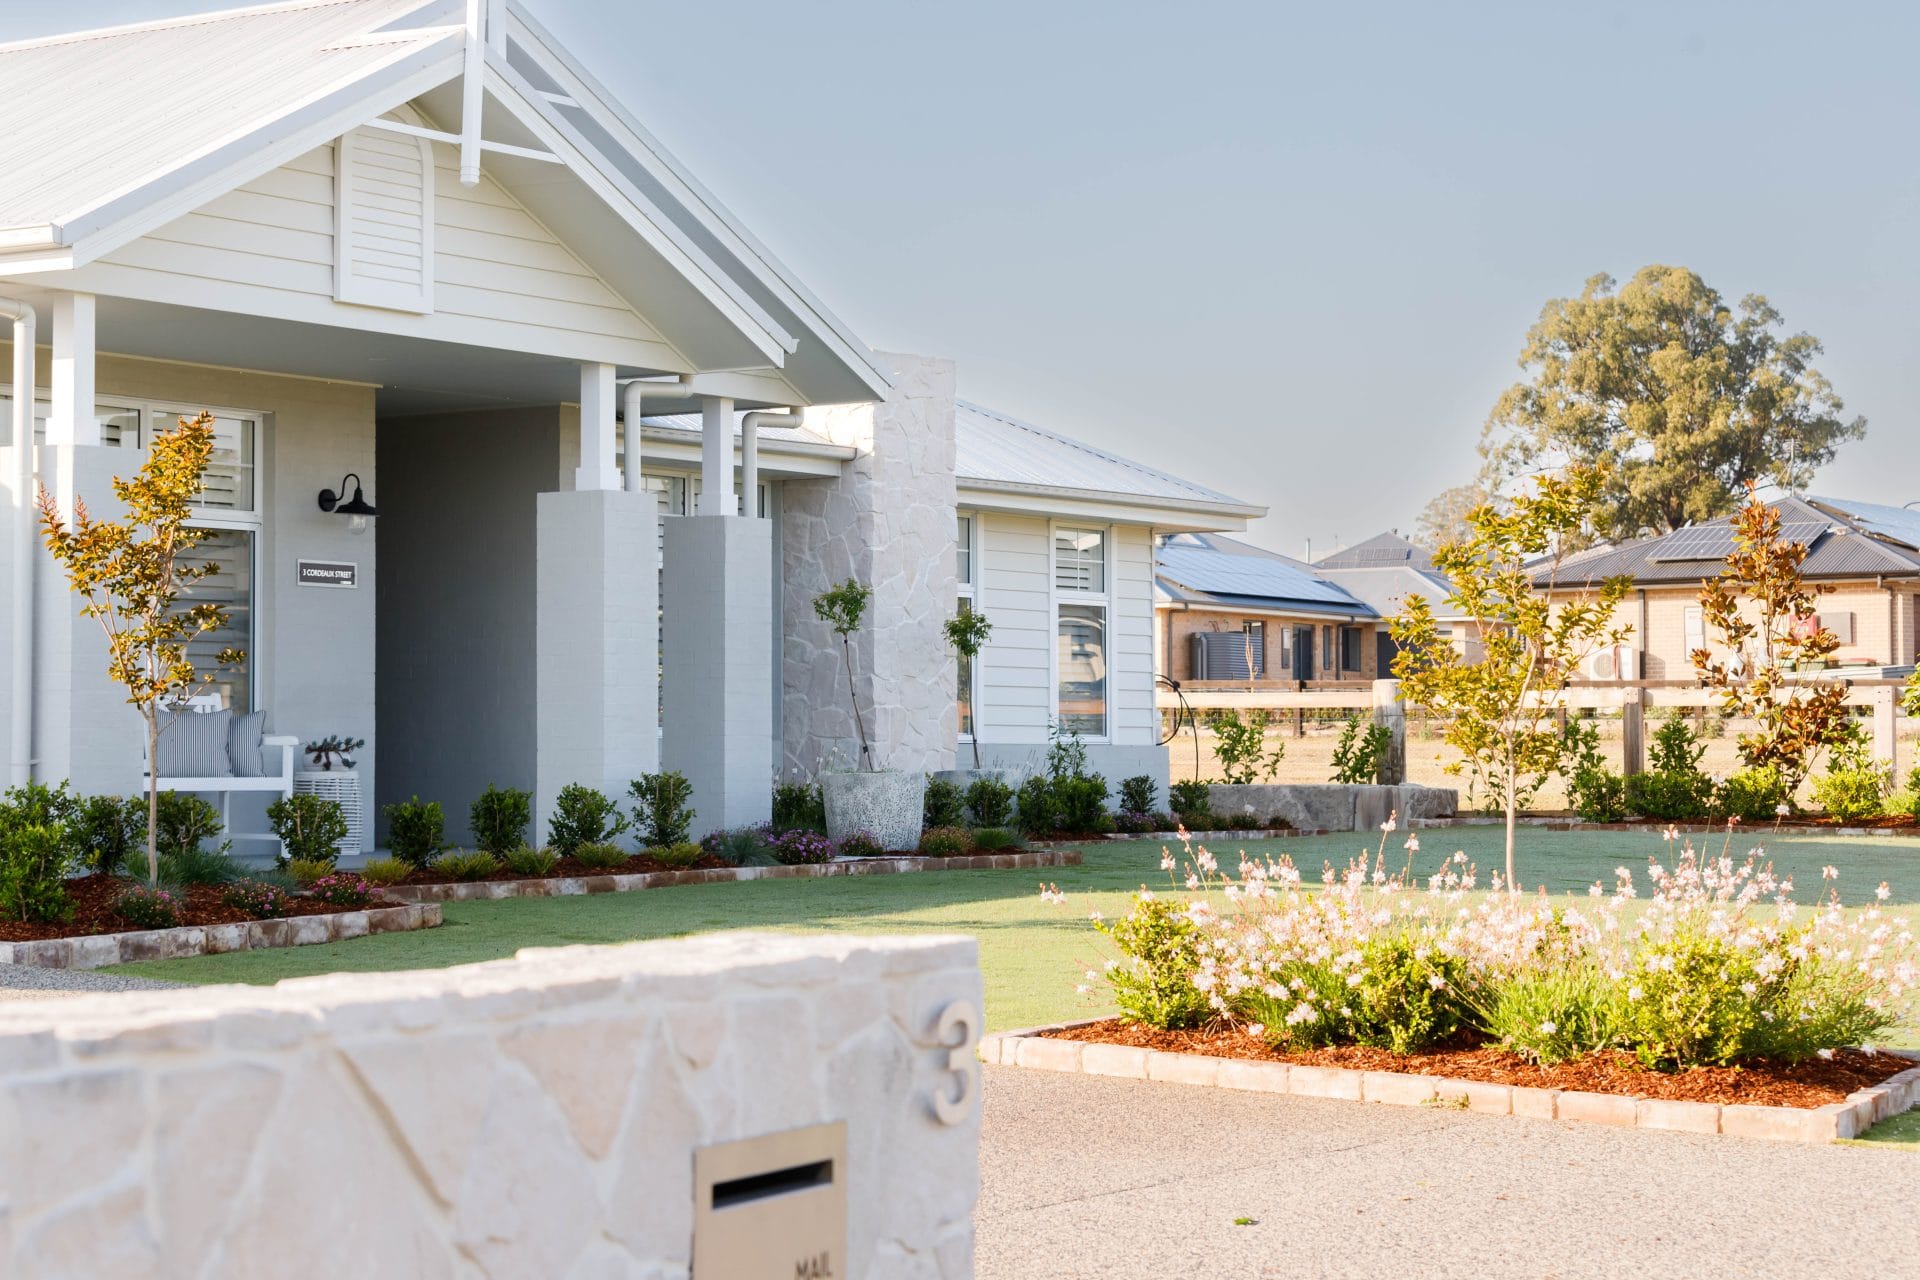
[(94, 951), (576, 886), (1037, 1048)]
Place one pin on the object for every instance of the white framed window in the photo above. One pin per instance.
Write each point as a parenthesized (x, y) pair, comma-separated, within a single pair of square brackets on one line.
[(1696, 631), (1082, 608), (966, 672), (229, 505)]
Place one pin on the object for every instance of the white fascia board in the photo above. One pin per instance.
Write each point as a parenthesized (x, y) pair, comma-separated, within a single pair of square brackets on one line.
[(591, 97), (158, 199), (20, 239), (32, 262), (1171, 515), (512, 91), (783, 458)]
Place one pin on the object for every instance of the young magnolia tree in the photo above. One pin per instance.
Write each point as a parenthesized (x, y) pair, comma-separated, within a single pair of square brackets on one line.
[(131, 574), (967, 632), (842, 608), (1763, 611), (1501, 710)]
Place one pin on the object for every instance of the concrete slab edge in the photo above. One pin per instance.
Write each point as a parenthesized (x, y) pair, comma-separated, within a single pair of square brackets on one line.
[(99, 950), (1035, 1048)]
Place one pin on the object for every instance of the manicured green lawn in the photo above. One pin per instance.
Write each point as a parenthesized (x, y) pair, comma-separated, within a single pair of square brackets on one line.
[(1032, 953)]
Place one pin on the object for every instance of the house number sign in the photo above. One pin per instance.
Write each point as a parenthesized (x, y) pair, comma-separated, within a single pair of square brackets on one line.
[(955, 1030), (327, 573)]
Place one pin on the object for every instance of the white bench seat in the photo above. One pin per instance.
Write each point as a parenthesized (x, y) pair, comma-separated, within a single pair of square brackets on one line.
[(279, 782)]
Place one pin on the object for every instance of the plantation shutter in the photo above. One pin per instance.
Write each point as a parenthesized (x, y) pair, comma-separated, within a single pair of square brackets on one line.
[(383, 244)]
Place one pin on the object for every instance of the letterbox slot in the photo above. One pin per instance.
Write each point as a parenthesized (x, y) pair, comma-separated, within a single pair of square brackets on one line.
[(775, 1182)]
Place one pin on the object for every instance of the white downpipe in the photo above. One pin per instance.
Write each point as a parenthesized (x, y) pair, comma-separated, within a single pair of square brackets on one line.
[(631, 412), (20, 759), (472, 85), (750, 452)]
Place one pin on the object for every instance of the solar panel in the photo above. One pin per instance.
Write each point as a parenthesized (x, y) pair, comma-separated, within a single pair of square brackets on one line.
[(1716, 541), (1231, 575)]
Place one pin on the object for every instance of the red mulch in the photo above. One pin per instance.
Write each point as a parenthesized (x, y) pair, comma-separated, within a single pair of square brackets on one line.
[(638, 864), (1813, 1083), (93, 898)]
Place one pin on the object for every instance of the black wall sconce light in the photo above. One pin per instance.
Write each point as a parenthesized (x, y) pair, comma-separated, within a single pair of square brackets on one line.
[(357, 509)]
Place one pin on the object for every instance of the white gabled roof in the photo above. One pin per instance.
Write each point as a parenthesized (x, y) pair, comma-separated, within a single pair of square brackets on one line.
[(997, 451), (92, 117)]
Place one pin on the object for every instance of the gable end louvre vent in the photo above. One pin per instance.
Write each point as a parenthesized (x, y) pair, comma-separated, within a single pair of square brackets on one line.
[(383, 201)]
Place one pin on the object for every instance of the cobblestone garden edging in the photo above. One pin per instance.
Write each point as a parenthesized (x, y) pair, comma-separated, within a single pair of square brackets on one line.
[(1862, 1109), (98, 950), (574, 886)]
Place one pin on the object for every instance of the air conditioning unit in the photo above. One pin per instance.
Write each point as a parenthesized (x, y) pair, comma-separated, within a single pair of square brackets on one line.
[(1615, 662)]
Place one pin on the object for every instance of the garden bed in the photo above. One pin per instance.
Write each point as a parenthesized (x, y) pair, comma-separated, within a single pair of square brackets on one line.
[(93, 899), (573, 868), (559, 885), (329, 924), (1812, 1083), (1349, 1075)]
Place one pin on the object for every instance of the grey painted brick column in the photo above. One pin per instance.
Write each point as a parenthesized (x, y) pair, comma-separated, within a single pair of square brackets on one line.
[(597, 675), (717, 593)]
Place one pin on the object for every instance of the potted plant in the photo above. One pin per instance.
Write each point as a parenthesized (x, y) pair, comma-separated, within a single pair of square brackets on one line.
[(884, 802), (340, 785)]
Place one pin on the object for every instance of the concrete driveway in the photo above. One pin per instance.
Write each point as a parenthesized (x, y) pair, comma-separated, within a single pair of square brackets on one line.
[(1113, 1179)]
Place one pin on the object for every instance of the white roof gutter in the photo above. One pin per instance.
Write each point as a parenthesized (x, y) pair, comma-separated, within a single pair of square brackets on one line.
[(20, 756)]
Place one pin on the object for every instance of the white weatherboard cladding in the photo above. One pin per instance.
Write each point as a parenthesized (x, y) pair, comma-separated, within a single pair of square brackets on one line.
[(383, 247), (500, 278), (1017, 679)]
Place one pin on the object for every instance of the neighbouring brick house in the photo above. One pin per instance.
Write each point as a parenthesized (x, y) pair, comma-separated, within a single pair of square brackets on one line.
[(1386, 571), (1864, 558), (1230, 613)]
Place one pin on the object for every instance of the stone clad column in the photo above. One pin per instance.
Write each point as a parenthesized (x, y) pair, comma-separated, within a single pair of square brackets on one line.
[(596, 666), (888, 520)]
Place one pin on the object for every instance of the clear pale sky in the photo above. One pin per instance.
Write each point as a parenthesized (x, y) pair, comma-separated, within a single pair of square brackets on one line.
[(1287, 250)]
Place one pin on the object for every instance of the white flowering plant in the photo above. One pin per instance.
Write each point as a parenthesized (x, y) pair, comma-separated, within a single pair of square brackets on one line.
[(1716, 964)]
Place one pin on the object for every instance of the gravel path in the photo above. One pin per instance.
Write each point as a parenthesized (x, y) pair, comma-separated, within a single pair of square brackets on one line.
[(27, 982), (1119, 1179)]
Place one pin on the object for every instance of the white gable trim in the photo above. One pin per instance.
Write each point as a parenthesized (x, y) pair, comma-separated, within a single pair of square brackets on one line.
[(579, 89)]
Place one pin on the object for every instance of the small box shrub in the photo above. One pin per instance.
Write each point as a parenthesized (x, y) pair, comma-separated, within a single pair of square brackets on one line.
[(799, 806), (990, 801), (1854, 785), (1752, 795), (385, 871), (499, 819), (146, 908), (946, 842), (33, 864), (531, 862), (1138, 793), (342, 890), (462, 864), (304, 872), (310, 828), (183, 821), (994, 839), (1034, 804), (107, 832), (802, 848), (582, 815), (944, 805), (861, 844), (257, 898), (677, 856), (601, 857), (416, 830), (661, 812)]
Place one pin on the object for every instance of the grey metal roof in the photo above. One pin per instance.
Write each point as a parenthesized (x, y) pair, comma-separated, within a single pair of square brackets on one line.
[(90, 116), (1387, 590), (1839, 546), (1381, 551), (996, 449), (1210, 569)]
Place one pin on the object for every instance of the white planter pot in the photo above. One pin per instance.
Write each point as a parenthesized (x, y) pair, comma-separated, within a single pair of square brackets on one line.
[(342, 785), (885, 803)]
